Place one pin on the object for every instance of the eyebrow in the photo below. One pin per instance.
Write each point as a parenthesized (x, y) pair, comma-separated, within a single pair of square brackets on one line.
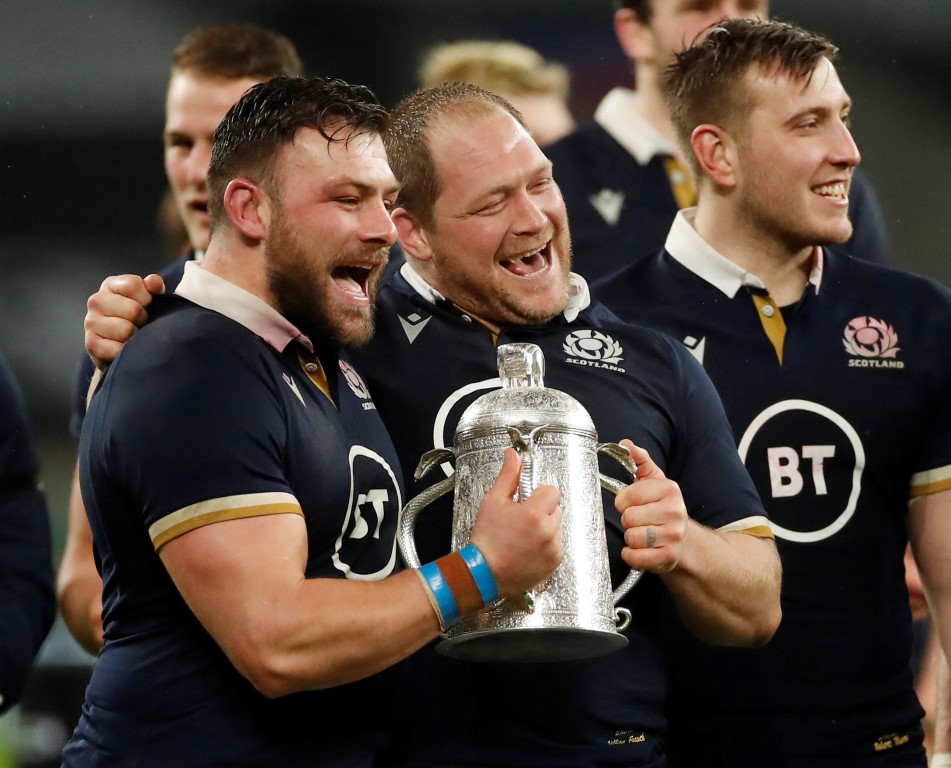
[(545, 167), (364, 188)]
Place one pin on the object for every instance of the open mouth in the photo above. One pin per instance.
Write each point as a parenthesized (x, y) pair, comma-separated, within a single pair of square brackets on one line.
[(353, 280), (527, 264), (838, 191), (200, 207)]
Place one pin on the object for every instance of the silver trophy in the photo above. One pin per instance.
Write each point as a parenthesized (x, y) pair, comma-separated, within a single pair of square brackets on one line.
[(573, 614)]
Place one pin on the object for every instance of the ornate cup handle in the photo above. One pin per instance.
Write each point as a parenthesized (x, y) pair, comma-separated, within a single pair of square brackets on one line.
[(622, 616), (409, 513)]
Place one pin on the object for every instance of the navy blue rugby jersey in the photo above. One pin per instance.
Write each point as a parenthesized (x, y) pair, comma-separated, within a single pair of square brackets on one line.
[(621, 210), (426, 364), (198, 420), (836, 435)]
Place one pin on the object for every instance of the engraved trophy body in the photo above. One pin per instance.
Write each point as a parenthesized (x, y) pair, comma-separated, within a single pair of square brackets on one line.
[(573, 613)]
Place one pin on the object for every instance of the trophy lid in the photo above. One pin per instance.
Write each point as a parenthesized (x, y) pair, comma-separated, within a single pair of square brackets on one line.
[(524, 400)]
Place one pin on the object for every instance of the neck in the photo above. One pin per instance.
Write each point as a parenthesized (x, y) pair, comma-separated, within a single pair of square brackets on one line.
[(652, 106), (783, 268), (239, 264)]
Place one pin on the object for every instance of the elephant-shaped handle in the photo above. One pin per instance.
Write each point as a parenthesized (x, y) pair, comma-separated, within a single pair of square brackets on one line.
[(622, 616)]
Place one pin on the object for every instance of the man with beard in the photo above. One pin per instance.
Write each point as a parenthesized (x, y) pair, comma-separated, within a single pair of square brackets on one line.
[(834, 376), (241, 488), (485, 233), (211, 67)]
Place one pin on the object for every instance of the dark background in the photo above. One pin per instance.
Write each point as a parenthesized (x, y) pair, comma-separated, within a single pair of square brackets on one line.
[(81, 113)]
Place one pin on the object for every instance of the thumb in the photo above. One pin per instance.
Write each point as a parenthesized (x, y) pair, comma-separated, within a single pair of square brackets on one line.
[(506, 484), (155, 284)]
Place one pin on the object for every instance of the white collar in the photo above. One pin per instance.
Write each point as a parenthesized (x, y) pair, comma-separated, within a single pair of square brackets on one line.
[(688, 248), (212, 292), (579, 297), (620, 115)]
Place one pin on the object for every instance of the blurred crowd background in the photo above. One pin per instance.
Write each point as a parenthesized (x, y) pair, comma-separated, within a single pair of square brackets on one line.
[(81, 114)]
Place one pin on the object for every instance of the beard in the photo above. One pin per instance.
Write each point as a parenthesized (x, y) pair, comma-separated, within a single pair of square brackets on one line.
[(297, 277)]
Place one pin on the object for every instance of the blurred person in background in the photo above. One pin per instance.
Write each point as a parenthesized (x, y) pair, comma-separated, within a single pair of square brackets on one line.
[(537, 88), (623, 174), (27, 601), (211, 68)]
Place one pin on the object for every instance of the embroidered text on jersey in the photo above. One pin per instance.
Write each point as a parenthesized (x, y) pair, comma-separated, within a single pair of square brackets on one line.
[(354, 380), (413, 324), (590, 347), (872, 343)]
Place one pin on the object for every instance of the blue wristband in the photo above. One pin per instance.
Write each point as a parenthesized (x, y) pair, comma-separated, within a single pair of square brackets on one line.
[(445, 600), (481, 573)]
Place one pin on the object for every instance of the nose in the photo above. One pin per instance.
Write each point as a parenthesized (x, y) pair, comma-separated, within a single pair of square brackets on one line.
[(378, 226), (845, 151), (530, 219), (198, 161)]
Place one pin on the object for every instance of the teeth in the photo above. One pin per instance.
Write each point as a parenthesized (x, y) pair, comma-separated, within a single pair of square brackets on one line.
[(526, 256), (832, 190)]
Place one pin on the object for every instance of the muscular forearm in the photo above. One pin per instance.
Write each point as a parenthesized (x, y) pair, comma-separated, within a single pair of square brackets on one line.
[(726, 587), (331, 632)]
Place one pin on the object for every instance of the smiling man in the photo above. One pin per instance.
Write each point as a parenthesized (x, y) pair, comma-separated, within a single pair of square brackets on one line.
[(488, 261), (834, 375), (241, 489)]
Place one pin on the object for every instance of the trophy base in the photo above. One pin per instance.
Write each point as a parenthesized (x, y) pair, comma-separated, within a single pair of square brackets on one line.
[(526, 644)]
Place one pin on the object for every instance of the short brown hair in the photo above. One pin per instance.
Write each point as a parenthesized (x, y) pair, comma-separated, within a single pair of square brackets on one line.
[(267, 118), (413, 120), (237, 51), (706, 81), (503, 66)]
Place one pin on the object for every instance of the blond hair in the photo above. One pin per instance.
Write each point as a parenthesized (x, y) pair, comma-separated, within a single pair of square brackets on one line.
[(501, 66)]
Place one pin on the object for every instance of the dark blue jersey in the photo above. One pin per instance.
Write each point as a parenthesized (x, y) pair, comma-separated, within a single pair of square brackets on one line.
[(200, 420), (840, 406), (426, 364), (27, 603), (621, 209)]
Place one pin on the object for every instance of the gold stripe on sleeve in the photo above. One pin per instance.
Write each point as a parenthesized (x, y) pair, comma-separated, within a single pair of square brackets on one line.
[(754, 526), (931, 481), (216, 510)]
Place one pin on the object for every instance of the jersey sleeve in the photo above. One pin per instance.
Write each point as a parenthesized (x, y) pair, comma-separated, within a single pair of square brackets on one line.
[(931, 471), (190, 427)]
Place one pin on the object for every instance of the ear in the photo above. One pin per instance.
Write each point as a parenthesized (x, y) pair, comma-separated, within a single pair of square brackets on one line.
[(248, 208), (413, 238), (715, 151), (633, 35)]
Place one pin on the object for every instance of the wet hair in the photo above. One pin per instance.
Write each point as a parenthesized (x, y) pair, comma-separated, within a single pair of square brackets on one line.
[(707, 81), (412, 123), (235, 52), (269, 115), (503, 66)]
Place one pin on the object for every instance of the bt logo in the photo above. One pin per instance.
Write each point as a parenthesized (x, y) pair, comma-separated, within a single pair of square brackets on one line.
[(807, 463)]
